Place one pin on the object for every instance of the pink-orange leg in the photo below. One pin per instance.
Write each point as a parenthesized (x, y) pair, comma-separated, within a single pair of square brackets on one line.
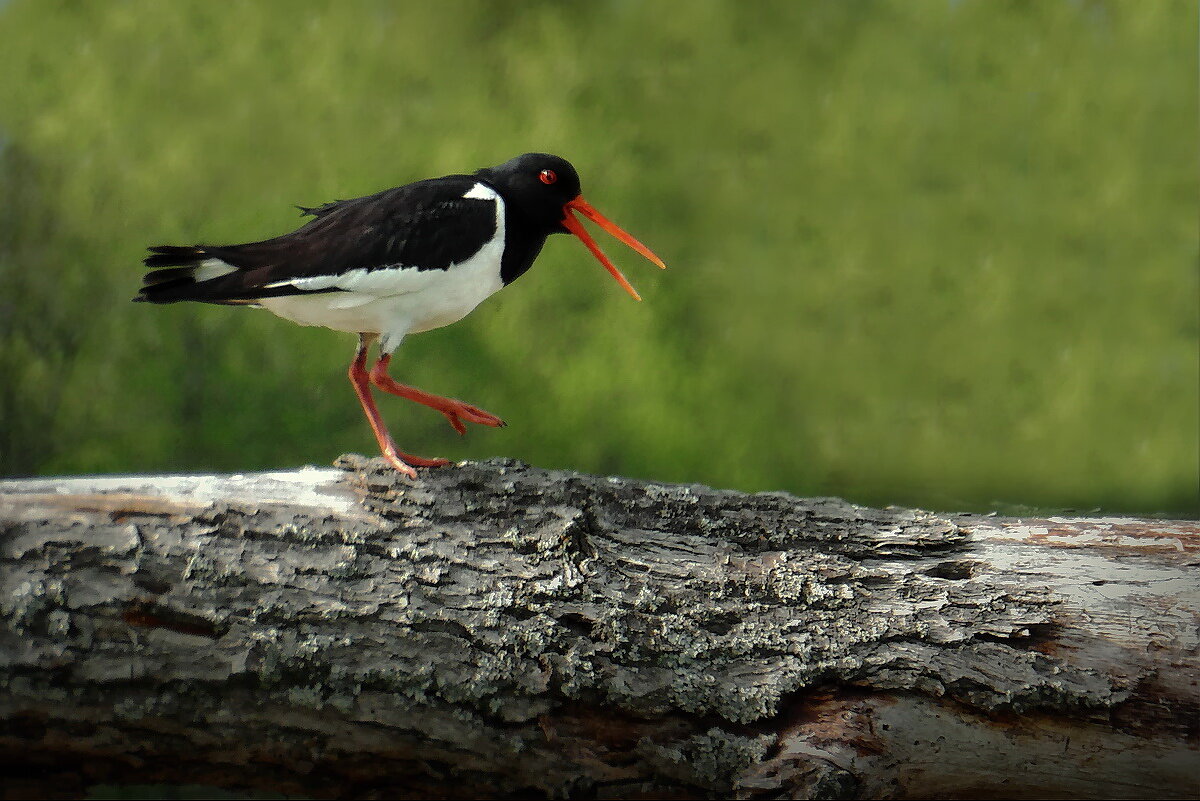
[(361, 380), (455, 410)]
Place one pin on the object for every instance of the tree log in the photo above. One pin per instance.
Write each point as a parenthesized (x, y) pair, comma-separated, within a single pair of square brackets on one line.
[(496, 630)]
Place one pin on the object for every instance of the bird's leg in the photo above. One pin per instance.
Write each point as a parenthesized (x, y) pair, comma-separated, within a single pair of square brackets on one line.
[(455, 410), (361, 380)]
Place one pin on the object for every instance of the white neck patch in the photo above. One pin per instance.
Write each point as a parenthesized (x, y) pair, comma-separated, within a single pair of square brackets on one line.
[(481, 192)]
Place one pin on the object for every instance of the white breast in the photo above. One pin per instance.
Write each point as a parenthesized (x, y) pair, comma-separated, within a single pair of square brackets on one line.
[(396, 301)]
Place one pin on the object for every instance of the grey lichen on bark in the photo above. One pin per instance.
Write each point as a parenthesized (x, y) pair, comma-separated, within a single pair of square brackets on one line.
[(496, 628)]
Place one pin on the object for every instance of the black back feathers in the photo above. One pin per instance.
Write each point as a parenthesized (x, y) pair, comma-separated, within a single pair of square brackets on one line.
[(427, 225)]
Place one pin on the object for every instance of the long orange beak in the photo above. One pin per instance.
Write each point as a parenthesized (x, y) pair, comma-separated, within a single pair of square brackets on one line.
[(574, 226)]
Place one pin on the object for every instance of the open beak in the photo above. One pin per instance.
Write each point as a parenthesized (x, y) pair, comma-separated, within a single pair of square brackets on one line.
[(572, 224)]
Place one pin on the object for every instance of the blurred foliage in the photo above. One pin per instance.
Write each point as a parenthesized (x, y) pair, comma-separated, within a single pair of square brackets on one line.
[(935, 253)]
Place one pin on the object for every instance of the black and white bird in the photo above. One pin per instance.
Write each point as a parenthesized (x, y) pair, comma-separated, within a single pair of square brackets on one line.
[(399, 262)]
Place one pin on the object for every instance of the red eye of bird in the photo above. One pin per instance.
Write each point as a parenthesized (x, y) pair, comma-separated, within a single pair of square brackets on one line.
[(547, 176)]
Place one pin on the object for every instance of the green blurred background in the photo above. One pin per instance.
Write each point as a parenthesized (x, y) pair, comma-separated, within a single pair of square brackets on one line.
[(933, 253)]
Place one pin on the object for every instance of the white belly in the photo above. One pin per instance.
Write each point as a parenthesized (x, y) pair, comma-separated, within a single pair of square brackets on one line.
[(431, 299)]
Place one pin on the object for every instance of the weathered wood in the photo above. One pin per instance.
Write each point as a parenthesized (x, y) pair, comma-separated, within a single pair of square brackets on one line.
[(496, 629)]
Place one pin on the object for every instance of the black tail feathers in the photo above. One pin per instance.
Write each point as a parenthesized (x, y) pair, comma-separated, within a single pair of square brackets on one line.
[(175, 271), (173, 256)]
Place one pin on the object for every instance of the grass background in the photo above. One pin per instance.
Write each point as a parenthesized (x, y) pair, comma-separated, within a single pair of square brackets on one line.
[(933, 253)]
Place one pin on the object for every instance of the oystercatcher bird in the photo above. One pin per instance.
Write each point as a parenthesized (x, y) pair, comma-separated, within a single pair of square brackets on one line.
[(399, 262)]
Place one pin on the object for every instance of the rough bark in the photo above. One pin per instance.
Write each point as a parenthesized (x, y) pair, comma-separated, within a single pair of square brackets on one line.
[(497, 630)]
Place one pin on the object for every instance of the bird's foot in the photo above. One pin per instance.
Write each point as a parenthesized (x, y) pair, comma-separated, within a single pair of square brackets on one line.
[(459, 413), (406, 463)]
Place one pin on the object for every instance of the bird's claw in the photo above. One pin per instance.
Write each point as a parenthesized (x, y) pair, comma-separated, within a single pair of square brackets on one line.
[(400, 466), (460, 413), (406, 463), (456, 423)]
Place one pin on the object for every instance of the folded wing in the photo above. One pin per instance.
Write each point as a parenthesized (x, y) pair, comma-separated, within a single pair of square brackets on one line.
[(428, 225)]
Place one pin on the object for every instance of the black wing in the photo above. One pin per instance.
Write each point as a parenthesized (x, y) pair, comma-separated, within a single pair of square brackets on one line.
[(428, 225)]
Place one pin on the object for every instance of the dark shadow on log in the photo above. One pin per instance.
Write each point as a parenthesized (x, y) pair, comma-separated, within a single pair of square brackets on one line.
[(496, 630)]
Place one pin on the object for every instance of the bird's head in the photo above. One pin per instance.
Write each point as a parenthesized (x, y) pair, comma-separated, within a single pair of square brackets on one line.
[(545, 190)]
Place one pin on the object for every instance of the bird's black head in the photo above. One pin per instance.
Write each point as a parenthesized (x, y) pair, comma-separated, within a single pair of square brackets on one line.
[(536, 185), (544, 190)]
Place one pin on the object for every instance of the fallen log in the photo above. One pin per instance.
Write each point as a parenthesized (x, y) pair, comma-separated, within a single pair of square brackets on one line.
[(496, 630)]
